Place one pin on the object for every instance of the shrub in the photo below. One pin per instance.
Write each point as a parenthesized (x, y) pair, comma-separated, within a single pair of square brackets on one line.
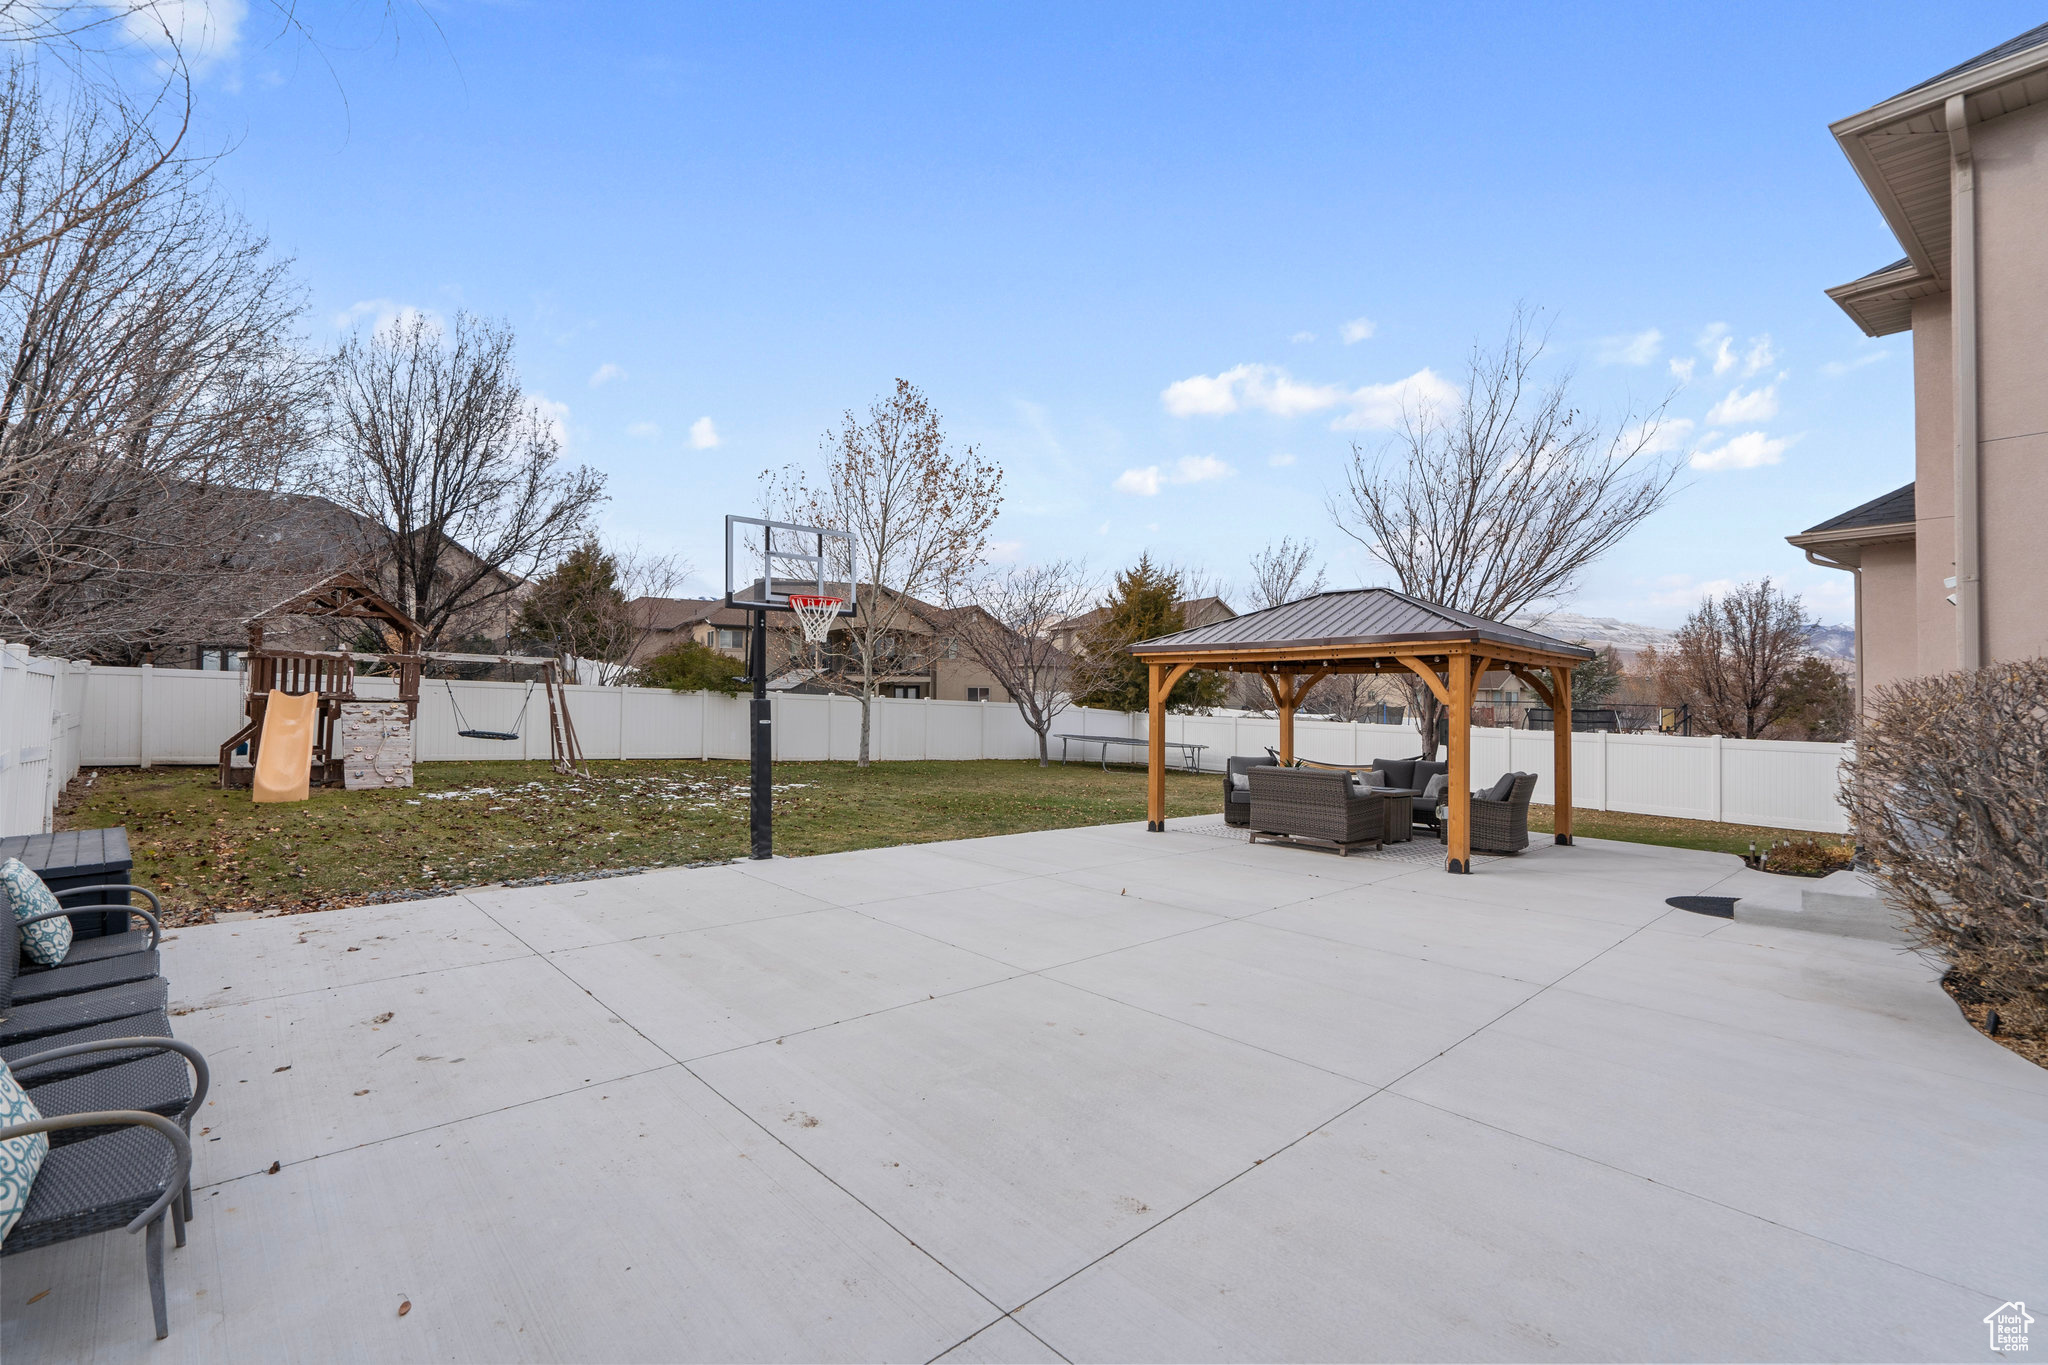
[(1948, 791), (691, 667)]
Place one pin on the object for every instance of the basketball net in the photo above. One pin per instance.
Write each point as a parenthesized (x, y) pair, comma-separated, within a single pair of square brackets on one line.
[(814, 615)]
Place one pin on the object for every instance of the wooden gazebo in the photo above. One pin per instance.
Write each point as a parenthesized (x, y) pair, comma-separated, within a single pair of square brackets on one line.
[(1294, 646)]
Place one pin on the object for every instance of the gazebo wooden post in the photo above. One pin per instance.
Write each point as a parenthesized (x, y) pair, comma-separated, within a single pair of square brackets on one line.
[(1561, 756), (1160, 681), (1458, 727), (1155, 752)]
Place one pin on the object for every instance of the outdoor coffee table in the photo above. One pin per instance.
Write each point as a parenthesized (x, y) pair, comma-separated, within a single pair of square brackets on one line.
[(1400, 804)]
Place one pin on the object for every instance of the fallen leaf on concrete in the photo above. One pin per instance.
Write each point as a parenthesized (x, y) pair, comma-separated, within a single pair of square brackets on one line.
[(405, 1308), (362, 1092), (44, 1295), (286, 1067), (275, 1167), (383, 1018)]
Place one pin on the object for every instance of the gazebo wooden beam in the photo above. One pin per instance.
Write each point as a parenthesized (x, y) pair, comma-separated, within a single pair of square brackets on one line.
[(1428, 675), (1162, 677)]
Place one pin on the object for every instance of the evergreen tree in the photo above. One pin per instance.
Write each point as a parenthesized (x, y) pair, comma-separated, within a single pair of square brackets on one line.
[(576, 608), (1142, 606), (1595, 681)]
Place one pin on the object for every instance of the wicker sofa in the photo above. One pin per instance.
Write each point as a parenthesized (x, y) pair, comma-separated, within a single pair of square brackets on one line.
[(1318, 806), (1237, 800)]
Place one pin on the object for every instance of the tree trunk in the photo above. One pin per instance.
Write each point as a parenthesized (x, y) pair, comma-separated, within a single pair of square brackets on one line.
[(867, 699), (1044, 760)]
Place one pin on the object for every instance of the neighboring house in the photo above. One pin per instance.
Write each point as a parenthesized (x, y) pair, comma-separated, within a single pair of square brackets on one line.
[(930, 662), (1952, 568), (297, 539)]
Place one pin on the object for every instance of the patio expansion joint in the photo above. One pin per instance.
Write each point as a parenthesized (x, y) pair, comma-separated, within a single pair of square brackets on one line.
[(776, 1137), (178, 1009), (224, 1181), (1989, 1296), (1011, 1319)]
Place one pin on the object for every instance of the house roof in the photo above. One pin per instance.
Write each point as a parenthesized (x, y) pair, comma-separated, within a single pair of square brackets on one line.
[(1888, 509), (1201, 610), (1901, 150), (1361, 616)]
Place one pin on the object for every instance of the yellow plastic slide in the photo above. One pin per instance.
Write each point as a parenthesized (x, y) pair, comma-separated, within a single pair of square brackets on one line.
[(284, 757)]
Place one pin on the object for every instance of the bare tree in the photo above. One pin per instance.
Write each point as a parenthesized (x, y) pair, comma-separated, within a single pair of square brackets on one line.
[(1281, 573), (916, 512), (1008, 626), (155, 402), (453, 472), (1733, 658), (1504, 502)]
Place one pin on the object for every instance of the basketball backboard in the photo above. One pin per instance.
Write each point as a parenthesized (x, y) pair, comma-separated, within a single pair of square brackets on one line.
[(766, 561)]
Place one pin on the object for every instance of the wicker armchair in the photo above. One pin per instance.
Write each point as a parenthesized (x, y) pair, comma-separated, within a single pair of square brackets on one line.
[(1237, 802), (1315, 805), (1502, 826)]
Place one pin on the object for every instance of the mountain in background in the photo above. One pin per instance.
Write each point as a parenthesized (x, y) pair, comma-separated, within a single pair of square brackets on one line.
[(1628, 639)]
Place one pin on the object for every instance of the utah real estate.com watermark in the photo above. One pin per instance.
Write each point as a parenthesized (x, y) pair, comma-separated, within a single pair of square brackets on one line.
[(2008, 1323)]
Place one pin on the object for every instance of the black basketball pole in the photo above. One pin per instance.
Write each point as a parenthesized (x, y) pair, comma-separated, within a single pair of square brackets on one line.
[(761, 822)]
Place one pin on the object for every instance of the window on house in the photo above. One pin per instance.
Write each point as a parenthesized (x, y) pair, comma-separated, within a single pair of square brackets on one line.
[(732, 637), (977, 694), (907, 691), (221, 660)]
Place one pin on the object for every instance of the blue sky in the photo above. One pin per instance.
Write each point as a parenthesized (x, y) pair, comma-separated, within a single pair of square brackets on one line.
[(734, 223)]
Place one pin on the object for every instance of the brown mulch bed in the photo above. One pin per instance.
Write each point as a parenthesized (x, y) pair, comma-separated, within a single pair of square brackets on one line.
[(2022, 1036)]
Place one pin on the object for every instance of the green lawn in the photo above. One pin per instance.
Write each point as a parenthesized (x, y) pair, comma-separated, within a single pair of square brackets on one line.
[(466, 824)]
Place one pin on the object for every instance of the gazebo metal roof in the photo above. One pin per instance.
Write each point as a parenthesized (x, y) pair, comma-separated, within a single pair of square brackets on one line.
[(1360, 616)]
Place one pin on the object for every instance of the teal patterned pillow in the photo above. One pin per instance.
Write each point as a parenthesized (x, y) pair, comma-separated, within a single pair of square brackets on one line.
[(20, 1158), (45, 943)]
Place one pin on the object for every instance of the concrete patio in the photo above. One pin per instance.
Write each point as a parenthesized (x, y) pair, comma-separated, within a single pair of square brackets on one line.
[(1095, 1094)]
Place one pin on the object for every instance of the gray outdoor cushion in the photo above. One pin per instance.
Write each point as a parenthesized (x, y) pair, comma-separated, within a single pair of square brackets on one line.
[(1241, 781), (1374, 779), (1436, 787), (1499, 790), (1426, 768), (1398, 770)]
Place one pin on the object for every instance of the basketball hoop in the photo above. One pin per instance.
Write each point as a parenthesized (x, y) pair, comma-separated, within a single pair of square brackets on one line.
[(814, 614)]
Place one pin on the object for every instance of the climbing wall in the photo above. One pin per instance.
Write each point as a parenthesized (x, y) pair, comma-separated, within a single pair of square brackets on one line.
[(373, 740)]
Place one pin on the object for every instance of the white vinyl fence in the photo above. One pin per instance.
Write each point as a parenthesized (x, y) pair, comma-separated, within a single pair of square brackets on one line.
[(42, 705), (144, 715)]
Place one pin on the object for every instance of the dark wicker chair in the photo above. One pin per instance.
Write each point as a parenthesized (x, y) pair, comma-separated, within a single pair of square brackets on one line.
[(1503, 826), (153, 1024), (1316, 806), (20, 1023), (129, 1176), (1237, 805), (101, 947)]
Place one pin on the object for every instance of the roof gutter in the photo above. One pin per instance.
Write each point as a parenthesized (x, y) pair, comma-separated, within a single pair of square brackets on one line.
[(1963, 292)]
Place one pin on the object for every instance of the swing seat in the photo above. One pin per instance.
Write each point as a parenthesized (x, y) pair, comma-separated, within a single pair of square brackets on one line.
[(487, 734)]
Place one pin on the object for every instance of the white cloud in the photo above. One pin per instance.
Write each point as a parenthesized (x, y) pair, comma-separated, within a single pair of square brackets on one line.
[(384, 314), (1680, 590), (1148, 481), (1681, 370), (1266, 388), (644, 431), (1670, 434), (1300, 337), (1384, 405), (554, 416), (1747, 451), (1835, 369), (1742, 406), (703, 434), (1638, 348), (605, 374), (1724, 356), (1759, 355), (1280, 461), (201, 32), (1358, 329)]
